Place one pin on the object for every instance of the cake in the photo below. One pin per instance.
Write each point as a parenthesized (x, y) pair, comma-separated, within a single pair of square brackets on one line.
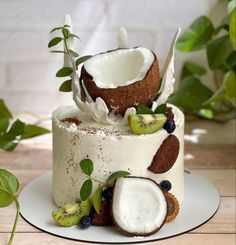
[(121, 122)]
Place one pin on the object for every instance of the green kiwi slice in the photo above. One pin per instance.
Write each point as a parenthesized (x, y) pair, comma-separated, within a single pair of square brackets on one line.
[(71, 213), (146, 123)]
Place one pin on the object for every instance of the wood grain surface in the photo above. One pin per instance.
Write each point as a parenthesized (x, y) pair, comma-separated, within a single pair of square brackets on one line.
[(216, 162)]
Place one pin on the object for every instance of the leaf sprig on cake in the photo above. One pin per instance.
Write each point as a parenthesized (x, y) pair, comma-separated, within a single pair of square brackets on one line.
[(67, 71), (87, 168)]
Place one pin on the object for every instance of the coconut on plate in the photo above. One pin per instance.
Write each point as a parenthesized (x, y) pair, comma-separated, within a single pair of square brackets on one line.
[(139, 206), (123, 78)]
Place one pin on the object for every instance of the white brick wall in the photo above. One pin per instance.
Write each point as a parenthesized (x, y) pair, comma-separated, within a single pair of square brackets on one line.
[(27, 70)]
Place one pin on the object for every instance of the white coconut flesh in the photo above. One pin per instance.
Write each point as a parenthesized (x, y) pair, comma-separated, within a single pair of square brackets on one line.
[(120, 67), (139, 206)]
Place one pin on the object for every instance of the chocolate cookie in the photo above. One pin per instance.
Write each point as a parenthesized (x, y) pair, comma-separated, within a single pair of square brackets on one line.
[(165, 156), (172, 206), (103, 218)]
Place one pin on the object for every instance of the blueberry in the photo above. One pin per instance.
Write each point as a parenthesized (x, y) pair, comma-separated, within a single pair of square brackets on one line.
[(165, 185), (170, 126), (107, 193), (85, 222)]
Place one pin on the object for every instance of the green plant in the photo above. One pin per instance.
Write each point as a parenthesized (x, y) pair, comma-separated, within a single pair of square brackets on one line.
[(66, 71), (219, 43), (86, 166), (11, 134)]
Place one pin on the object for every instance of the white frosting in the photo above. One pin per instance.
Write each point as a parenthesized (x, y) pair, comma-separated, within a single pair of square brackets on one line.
[(111, 148)]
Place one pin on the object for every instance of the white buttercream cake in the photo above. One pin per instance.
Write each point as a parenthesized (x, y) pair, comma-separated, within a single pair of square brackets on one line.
[(121, 124), (111, 148)]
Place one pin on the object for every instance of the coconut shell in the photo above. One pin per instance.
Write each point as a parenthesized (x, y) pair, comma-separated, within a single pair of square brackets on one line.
[(120, 98), (127, 233)]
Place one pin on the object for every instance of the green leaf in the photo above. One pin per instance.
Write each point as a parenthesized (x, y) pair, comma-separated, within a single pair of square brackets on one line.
[(97, 199), (86, 166), (82, 59), (55, 29), (196, 36), (86, 189), (16, 129), (4, 112), (4, 123), (190, 68), (6, 198), (58, 51), (161, 109), (218, 51), (64, 72), (66, 33), (191, 94), (231, 60), (206, 113), (33, 131), (142, 109), (54, 41), (232, 29), (8, 181), (7, 145), (66, 86), (116, 175), (230, 86), (73, 53)]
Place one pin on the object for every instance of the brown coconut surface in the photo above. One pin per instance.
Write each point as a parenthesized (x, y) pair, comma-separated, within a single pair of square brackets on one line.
[(120, 98)]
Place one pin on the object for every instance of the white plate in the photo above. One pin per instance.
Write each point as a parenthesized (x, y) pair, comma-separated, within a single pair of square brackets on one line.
[(201, 202)]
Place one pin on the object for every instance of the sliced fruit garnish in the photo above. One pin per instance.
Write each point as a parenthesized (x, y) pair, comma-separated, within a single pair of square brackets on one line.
[(146, 123), (72, 213), (139, 206)]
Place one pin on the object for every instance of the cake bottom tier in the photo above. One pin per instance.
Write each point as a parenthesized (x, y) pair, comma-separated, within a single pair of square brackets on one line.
[(111, 148)]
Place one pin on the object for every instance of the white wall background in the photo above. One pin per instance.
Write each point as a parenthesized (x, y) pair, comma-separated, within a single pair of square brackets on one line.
[(27, 69)]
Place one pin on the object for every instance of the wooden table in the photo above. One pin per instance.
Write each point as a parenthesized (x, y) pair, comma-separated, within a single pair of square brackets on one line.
[(214, 161)]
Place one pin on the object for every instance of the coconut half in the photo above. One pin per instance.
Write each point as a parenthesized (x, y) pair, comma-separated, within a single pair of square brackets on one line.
[(122, 78), (139, 206)]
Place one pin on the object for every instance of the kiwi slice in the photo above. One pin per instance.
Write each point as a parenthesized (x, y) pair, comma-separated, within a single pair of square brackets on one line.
[(71, 213), (146, 123)]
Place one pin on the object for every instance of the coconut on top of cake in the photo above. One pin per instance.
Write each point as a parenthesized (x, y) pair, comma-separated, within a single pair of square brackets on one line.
[(121, 143)]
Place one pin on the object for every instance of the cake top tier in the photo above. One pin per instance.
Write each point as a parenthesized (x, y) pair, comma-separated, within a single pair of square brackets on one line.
[(112, 84)]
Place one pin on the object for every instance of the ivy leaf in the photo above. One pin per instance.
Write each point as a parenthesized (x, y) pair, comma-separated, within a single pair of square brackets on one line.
[(218, 50), (191, 94), (8, 181), (232, 29), (58, 51), (54, 41), (231, 60), (206, 113), (66, 33), (64, 72), (190, 68), (55, 29), (86, 166), (82, 59), (196, 36), (31, 131), (97, 199), (4, 123), (6, 198), (16, 129), (161, 109), (4, 112), (116, 175), (142, 109), (73, 53), (86, 189), (7, 145), (66, 86)]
